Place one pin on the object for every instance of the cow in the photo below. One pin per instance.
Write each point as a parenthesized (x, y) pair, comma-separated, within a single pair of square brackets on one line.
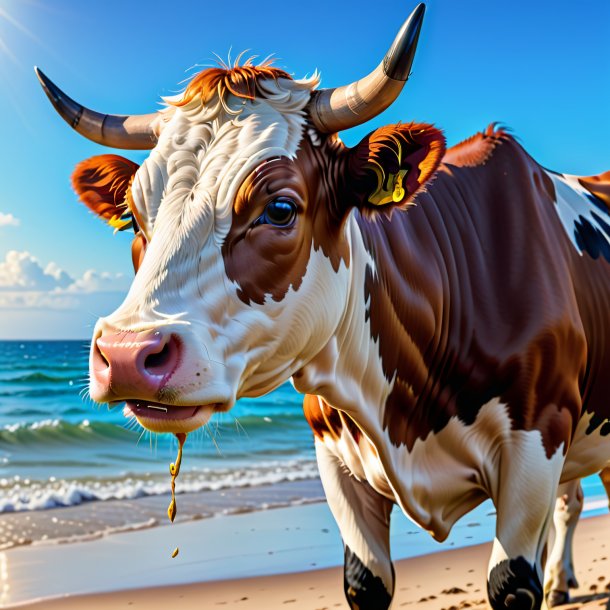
[(445, 312)]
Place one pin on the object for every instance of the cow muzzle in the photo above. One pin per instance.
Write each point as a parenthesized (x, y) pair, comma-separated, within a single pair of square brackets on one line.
[(137, 368)]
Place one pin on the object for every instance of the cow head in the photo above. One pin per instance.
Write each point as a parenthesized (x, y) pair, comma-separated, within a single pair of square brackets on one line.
[(243, 264)]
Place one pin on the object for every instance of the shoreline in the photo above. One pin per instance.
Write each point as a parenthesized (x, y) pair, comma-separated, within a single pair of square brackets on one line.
[(264, 543), (440, 581)]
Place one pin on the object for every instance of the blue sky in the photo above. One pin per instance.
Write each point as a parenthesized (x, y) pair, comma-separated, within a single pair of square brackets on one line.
[(542, 68)]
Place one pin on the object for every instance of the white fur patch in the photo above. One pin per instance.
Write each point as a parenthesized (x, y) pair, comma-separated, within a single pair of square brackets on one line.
[(351, 356), (588, 453), (362, 515), (573, 205)]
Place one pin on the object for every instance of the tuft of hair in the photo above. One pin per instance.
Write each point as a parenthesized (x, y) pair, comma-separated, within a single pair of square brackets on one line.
[(477, 149), (243, 81)]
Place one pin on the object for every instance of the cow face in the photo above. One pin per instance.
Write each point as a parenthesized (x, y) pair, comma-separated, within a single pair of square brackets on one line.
[(241, 249), (221, 304)]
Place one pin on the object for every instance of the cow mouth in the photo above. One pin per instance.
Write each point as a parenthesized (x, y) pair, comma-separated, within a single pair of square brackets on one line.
[(160, 417)]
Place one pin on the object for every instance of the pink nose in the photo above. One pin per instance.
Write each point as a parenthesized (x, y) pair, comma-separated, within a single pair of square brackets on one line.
[(133, 365)]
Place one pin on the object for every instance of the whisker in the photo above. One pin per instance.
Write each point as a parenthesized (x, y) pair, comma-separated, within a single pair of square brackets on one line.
[(140, 437), (240, 427), (213, 440)]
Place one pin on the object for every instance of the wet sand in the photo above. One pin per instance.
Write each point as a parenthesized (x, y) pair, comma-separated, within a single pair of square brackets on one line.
[(449, 580)]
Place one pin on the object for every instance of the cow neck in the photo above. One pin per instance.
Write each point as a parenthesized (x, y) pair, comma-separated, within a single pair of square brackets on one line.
[(355, 372)]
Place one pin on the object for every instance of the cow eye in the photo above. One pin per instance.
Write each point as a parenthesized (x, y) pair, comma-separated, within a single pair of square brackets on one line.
[(279, 213)]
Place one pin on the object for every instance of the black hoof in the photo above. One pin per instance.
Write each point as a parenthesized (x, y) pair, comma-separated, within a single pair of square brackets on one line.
[(514, 584), (572, 583), (557, 598), (363, 590)]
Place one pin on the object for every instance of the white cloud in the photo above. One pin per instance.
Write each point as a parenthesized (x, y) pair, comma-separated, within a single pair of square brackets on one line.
[(22, 271), (8, 220), (58, 274), (25, 284), (94, 281)]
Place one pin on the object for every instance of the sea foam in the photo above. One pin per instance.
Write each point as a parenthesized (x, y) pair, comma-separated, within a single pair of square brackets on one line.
[(27, 495)]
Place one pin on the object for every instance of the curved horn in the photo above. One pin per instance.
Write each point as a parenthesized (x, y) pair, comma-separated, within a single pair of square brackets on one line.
[(133, 132), (332, 110)]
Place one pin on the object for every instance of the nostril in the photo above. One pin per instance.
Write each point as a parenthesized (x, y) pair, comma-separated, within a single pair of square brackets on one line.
[(157, 361), (99, 358), (163, 361)]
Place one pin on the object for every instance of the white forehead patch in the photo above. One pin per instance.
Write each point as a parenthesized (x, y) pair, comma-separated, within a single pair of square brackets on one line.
[(586, 223), (185, 190)]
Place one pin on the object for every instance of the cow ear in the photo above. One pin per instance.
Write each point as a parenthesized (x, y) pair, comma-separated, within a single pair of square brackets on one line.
[(102, 184), (393, 163)]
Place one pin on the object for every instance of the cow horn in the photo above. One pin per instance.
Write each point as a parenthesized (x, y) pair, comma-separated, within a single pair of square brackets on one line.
[(133, 132), (332, 110)]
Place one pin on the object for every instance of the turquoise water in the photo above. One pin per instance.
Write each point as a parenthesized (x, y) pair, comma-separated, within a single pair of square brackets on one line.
[(57, 448)]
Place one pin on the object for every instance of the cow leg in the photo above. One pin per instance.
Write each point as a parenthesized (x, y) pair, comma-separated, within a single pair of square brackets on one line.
[(363, 517), (559, 577), (524, 496)]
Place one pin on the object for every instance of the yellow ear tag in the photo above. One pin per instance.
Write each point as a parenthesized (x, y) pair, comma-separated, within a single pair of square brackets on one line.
[(383, 195), (399, 192)]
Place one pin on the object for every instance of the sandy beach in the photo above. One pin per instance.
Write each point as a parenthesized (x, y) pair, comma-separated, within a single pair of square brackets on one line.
[(449, 580)]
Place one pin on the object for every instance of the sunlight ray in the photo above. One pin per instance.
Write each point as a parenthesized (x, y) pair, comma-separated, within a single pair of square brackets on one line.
[(19, 26)]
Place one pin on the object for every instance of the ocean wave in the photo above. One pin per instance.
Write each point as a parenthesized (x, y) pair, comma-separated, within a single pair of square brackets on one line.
[(80, 366), (38, 392), (24, 495), (54, 430), (37, 378), (19, 411)]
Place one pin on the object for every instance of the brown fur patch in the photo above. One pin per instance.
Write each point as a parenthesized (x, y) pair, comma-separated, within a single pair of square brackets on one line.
[(138, 249), (326, 182), (322, 418), (326, 420), (598, 186), (268, 260), (472, 299)]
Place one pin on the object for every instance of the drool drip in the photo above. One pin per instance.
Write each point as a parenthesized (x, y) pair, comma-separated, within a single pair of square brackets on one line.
[(174, 471)]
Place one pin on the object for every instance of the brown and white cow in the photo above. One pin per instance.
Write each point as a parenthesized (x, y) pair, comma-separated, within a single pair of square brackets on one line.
[(446, 312)]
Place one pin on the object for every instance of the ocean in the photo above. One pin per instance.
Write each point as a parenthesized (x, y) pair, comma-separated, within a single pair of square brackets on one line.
[(71, 470), (58, 450)]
